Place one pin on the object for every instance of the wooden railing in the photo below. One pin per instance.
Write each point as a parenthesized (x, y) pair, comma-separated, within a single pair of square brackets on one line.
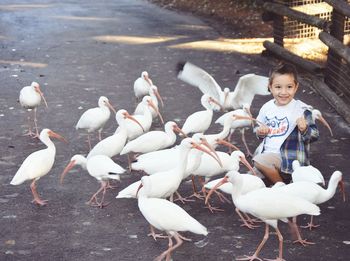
[(335, 71)]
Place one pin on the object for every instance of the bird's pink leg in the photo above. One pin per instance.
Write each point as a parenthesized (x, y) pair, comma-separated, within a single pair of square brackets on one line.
[(36, 125), (222, 197), (94, 196), (295, 231), (311, 224), (104, 185), (171, 248), (280, 239), (245, 143), (30, 132), (181, 198), (154, 235), (251, 220), (36, 199), (89, 142), (99, 135), (246, 224), (257, 251), (195, 193)]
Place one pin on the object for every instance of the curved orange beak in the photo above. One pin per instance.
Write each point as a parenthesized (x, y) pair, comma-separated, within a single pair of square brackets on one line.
[(206, 144), (246, 163), (110, 106), (37, 89), (57, 136), (325, 123), (223, 181), (151, 103), (138, 189), (159, 97), (128, 116), (211, 99), (66, 170), (227, 144), (342, 189), (178, 130), (199, 147), (148, 80)]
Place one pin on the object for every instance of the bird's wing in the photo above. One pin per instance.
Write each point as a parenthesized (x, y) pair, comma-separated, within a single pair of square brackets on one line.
[(196, 76), (247, 87)]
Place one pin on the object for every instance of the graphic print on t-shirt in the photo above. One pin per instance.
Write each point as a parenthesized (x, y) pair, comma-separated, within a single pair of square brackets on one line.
[(277, 127)]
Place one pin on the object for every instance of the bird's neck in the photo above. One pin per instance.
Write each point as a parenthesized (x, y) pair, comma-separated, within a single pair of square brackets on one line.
[(183, 158)]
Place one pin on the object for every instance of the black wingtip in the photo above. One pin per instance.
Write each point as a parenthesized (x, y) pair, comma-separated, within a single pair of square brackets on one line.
[(180, 66)]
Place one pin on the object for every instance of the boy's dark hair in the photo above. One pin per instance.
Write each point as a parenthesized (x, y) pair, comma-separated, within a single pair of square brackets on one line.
[(284, 68)]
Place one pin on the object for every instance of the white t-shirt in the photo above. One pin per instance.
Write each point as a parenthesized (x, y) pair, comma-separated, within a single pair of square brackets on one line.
[(281, 121)]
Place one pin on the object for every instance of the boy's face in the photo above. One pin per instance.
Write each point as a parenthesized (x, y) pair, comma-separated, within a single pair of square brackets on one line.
[(283, 88)]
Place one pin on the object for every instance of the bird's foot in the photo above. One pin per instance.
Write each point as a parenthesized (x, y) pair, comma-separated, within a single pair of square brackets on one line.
[(184, 238), (310, 226), (249, 225), (183, 200), (39, 201), (249, 258), (303, 242), (276, 259), (155, 236), (99, 205), (222, 197), (213, 209), (196, 195)]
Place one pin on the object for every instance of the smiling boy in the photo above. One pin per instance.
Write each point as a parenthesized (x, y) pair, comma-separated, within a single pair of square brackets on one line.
[(289, 128)]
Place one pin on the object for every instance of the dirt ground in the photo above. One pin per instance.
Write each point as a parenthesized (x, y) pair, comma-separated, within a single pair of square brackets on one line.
[(243, 16)]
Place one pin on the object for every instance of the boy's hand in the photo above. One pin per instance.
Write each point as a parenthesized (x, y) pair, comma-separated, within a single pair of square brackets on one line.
[(302, 124), (262, 130)]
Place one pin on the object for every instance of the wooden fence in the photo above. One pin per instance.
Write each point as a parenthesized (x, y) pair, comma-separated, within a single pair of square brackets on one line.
[(326, 25)]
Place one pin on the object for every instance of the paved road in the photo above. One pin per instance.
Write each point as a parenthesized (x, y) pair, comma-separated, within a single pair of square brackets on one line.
[(80, 50)]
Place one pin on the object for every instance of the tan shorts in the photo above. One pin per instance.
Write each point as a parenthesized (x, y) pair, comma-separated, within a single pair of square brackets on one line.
[(269, 160)]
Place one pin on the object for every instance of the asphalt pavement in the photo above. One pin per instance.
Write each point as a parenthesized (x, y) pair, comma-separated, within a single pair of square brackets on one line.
[(80, 50)]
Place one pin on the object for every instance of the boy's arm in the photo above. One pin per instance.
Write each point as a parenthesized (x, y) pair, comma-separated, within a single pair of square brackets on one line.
[(311, 134)]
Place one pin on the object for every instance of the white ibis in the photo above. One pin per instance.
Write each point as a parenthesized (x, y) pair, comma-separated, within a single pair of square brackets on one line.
[(154, 93), (144, 119), (246, 88), (317, 115), (30, 98), (153, 140), (250, 183), (314, 193), (306, 173), (165, 183), (101, 168), (166, 216), (94, 119), (242, 120), (269, 206), (114, 144), (200, 121), (166, 159), (208, 168), (142, 85), (38, 164)]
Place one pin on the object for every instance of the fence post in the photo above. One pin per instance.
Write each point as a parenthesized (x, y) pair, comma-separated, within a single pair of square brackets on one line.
[(334, 61)]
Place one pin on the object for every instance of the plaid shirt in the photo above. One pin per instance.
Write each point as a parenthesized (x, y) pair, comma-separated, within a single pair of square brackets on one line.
[(297, 145)]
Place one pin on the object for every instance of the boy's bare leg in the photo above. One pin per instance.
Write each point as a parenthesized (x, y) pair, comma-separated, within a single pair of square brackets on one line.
[(271, 173)]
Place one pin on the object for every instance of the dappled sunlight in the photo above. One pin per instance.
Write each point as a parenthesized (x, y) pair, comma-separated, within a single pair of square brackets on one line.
[(84, 18), (135, 40), (247, 46), (22, 63), (193, 27), (22, 6)]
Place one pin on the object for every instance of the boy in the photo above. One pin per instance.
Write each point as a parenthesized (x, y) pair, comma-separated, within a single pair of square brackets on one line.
[(289, 128)]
